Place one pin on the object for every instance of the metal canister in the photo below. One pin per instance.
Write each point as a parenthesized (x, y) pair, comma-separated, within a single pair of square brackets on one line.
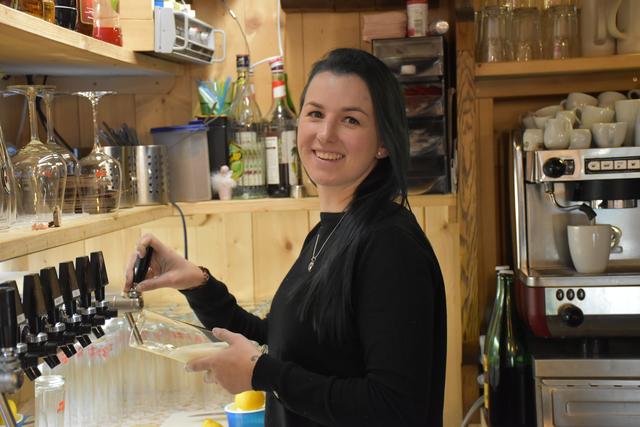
[(151, 174)]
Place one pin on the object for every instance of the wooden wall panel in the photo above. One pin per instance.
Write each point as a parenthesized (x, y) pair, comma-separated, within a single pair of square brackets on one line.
[(442, 230), (325, 31), (418, 212), (294, 56), (277, 241)]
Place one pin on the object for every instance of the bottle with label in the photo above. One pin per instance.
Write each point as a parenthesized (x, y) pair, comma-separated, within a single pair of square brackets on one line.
[(32, 7), (511, 398), (85, 17), (280, 137), (246, 145), (417, 18)]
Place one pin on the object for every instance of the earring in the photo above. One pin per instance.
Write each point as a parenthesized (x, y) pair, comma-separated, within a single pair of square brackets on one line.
[(379, 154)]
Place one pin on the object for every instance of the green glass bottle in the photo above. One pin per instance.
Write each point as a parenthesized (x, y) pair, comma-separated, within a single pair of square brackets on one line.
[(509, 392)]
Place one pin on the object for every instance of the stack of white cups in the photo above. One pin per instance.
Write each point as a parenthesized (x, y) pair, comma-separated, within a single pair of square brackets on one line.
[(610, 120)]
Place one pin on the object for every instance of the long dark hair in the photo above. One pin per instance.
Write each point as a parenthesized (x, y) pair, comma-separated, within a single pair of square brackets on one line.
[(326, 300)]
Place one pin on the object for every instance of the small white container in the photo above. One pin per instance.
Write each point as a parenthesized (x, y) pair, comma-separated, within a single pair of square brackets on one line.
[(188, 161)]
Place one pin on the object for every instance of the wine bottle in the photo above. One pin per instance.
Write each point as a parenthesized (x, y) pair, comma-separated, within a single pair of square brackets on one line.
[(511, 392), (280, 137), (246, 145)]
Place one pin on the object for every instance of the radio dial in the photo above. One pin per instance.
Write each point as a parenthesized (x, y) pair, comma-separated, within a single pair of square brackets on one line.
[(571, 315), (554, 167)]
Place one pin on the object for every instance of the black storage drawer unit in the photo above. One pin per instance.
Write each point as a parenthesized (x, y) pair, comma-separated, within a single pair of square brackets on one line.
[(419, 65)]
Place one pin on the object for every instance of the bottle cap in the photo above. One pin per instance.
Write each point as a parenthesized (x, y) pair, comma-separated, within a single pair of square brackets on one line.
[(277, 64), (242, 61)]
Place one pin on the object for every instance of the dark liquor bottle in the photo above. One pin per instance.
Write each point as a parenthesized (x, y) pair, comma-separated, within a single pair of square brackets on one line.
[(511, 392), (85, 17), (67, 14), (246, 145), (280, 138)]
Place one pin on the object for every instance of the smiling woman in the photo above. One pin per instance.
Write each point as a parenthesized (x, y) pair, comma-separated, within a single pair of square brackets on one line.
[(357, 329)]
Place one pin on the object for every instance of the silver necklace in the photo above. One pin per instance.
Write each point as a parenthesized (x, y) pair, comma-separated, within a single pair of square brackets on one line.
[(314, 255)]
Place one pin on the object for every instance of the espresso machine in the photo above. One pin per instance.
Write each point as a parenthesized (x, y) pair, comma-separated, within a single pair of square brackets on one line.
[(584, 329)]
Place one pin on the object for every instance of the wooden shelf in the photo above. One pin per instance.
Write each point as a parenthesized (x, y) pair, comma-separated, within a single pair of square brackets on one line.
[(286, 204), (23, 241), (551, 77), (559, 66), (30, 45)]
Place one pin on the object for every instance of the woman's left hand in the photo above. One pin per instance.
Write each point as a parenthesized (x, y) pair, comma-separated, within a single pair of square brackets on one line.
[(232, 367)]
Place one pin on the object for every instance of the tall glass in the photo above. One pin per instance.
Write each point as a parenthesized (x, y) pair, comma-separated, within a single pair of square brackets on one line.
[(73, 167), (7, 187), (525, 30), (494, 38), (49, 390), (41, 174), (100, 183)]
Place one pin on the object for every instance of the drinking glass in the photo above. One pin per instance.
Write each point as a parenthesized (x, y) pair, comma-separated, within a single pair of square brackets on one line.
[(106, 22), (40, 173), (494, 43), (73, 167), (49, 402), (560, 30), (525, 24), (7, 187), (100, 182)]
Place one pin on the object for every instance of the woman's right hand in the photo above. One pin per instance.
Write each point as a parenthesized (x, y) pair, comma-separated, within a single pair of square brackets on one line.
[(166, 270)]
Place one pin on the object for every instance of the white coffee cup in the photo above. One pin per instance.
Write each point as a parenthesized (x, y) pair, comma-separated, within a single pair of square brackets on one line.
[(528, 122), (577, 99), (627, 111), (568, 114), (580, 139), (623, 25), (549, 110), (533, 140), (589, 114), (590, 246), (609, 135), (557, 134), (608, 99)]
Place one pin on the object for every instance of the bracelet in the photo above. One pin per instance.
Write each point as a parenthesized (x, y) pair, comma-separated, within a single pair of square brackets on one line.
[(206, 275)]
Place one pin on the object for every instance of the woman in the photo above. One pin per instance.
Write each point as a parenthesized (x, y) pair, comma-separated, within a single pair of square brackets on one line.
[(357, 329)]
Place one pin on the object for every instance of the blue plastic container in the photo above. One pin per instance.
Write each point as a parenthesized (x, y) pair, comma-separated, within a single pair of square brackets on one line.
[(237, 418)]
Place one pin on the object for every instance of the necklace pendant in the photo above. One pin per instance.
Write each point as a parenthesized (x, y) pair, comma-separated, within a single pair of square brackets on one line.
[(310, 265)]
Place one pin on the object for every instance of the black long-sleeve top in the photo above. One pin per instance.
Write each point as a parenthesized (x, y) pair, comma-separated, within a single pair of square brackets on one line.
[(390, 373)]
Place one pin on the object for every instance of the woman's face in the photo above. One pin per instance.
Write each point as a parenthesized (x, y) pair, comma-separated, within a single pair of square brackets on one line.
[(337, 134)]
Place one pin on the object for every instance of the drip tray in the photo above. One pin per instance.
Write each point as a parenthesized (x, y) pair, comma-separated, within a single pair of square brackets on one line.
[(616, 275)]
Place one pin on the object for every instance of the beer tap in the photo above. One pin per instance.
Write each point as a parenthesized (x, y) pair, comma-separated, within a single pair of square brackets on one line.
[(139, 273), (38, 341), (28, 360), (101, 281), (10, 369), (86, 284), (53, 301), (70, 293)]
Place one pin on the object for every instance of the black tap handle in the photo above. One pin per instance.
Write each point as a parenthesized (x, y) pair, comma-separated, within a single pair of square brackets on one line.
[(68, 286), (33, 302), (141, 267), (100, 274), (85, 282), (52, 294), (8, 322)]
